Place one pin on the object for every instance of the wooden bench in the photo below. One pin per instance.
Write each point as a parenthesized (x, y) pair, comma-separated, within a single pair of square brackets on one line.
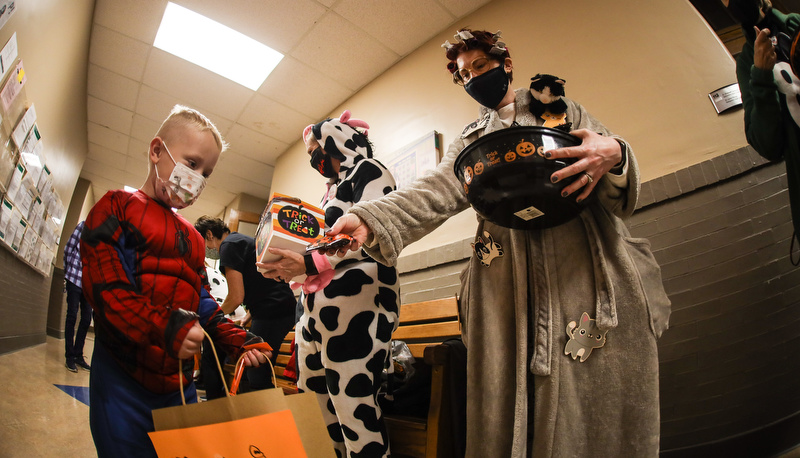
[(423, 326)]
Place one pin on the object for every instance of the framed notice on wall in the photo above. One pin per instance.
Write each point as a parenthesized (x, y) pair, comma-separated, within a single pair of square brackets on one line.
[(413, 160)]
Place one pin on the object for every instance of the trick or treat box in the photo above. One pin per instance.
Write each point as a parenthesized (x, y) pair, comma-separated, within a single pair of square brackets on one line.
[(288, 223)]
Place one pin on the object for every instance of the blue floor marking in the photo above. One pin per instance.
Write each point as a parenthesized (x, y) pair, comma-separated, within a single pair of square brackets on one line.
[(81, 393)]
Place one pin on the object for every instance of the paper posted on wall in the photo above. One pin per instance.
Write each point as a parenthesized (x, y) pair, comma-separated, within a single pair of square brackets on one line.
[(288, 223)]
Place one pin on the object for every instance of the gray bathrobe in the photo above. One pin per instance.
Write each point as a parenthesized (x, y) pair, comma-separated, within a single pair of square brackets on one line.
[(526, 397)]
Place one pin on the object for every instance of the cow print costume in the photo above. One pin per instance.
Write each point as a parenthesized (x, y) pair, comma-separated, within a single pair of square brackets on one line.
[(344, 335)]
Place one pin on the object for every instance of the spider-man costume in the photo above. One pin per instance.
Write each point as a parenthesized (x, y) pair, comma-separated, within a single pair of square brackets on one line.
[(144, 275)]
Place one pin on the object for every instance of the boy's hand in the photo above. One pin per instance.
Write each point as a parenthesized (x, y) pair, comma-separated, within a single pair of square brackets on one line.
[(256, 358), (192, 343)]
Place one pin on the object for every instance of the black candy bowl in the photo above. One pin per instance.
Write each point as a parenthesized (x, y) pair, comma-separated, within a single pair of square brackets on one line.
[(507, 179)]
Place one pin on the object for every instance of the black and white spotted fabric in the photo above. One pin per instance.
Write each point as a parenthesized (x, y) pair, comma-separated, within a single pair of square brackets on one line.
[(344, 335)]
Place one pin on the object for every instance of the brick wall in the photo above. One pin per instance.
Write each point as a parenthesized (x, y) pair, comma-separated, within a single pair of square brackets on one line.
[(24, 304), (721, 232)]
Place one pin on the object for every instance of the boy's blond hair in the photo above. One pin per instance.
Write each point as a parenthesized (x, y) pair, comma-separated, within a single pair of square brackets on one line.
[(182, 116)]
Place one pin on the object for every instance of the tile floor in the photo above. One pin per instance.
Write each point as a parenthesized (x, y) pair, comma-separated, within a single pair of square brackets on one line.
[(39, 419)]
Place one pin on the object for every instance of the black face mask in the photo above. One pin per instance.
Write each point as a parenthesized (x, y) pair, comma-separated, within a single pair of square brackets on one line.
[(322, 163), (490, 88)]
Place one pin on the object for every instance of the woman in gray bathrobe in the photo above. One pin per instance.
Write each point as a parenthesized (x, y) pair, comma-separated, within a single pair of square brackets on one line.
[(533, 388)]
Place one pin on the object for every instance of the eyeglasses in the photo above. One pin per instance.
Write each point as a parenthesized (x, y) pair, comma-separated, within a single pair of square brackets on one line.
[(478, 66)]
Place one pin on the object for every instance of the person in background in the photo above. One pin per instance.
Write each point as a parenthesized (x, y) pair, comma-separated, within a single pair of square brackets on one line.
[(74, 340), (270, 303), (144, 276), (769, 87), (561, 323), (351, 305)]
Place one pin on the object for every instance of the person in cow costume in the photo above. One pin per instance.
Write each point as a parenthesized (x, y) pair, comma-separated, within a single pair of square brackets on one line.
[(351, 304)]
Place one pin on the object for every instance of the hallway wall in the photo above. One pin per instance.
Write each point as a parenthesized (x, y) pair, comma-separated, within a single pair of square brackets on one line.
[(53, 40)]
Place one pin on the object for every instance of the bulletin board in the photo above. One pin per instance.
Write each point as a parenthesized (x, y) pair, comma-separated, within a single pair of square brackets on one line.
[(413, 160), (31, 210)]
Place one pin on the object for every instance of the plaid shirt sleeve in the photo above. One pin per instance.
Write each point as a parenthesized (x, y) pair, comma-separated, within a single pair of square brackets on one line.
[(72, 257)]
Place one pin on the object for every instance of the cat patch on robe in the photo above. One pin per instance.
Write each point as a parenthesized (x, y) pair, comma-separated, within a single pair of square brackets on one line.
[(583, 338), (487, 249)]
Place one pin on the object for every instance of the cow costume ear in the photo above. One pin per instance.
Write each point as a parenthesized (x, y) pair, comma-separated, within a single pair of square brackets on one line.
[(352, 122)]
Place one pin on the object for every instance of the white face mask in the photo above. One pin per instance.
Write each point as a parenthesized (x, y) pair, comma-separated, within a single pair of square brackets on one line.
[(184, 185)]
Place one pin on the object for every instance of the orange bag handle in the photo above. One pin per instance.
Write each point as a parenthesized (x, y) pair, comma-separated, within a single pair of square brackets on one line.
[(237, 373)]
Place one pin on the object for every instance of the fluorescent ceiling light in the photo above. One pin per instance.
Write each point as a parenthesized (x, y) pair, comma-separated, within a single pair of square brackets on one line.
[(215, 47)]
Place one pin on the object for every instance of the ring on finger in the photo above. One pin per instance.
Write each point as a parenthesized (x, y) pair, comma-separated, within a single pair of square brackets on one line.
[(589, 178)]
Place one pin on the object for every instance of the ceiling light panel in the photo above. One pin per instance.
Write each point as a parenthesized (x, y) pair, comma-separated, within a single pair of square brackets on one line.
[(215, 47)]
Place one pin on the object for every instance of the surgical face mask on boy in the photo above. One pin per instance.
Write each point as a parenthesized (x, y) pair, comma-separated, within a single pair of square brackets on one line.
[(183, 187)]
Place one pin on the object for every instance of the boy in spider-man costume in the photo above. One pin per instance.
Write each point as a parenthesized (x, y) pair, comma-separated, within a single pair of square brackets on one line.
[(144, 275)]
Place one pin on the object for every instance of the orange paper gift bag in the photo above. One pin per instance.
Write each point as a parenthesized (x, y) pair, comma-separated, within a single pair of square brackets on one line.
[(259, 423)]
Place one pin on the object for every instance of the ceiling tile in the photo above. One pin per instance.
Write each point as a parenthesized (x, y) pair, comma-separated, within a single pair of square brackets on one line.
[(138, 148), (156, 106), (306, 90), (275, 120), (105, 156), (244, 167), (133, 179), (353, 65), (398, 24), (113, 175), (139, 19), (193, 212), (217, 196), (460, 8), (118, 53), (186, 81), (260, 189), (254, 145), (108, 138), (137, 163), (143, 129), (100, 183), (112, 87), (110, 116), (223, 181)]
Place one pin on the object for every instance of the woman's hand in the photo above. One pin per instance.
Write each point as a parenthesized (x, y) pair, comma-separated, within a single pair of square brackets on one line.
[(596, 155), (193, 342), (290, 265), (353, 226), (764, 55)]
